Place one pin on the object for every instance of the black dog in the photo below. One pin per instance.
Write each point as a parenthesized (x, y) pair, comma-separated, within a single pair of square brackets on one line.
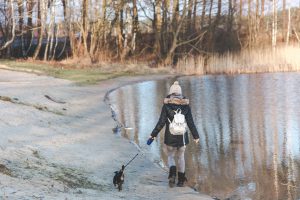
[(119, 178)]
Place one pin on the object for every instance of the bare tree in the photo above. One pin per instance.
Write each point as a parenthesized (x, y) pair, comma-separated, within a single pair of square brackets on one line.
[(178, 25), (135, 25), (262, 14), (165, 29), (11, 26), (194, 24), (240, 13), (210, 13), (41, 15), (84, 26), (284, 25), (21, 23), (189, 17), (288, 27), (175, 13), (29, 34), (203, 13), (157, 25), (274, 24), (218, 13), (50, 30)]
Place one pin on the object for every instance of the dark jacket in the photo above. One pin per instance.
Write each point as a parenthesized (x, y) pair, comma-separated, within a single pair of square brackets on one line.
[(171, 104)]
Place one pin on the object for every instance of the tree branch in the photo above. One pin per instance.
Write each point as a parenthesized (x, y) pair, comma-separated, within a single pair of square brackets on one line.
[(8, 43), (191, 40)]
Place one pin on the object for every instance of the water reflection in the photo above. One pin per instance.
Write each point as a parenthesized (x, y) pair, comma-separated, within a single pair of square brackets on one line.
[(249, 131)]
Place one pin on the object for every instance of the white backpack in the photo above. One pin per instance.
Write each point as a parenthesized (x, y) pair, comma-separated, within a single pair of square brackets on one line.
[(178, 125)]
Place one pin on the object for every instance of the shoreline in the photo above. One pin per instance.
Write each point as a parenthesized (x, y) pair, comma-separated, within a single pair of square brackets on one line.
[(73, 155), (141, 79)]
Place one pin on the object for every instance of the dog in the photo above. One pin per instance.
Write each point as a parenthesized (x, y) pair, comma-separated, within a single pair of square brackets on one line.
[(119, 178)]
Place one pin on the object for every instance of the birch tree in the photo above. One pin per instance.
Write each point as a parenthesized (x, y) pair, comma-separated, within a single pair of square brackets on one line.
[(29, 32), (21, 24), (41, 15), (11, 27)]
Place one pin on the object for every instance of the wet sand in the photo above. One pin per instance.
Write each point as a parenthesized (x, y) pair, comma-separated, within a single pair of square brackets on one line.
[(63, 147)]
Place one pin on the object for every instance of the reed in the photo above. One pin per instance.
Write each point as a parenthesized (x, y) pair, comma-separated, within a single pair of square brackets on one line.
[(282, 59)]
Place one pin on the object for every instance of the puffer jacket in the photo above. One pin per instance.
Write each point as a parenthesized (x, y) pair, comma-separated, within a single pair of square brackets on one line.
[(171, 104)]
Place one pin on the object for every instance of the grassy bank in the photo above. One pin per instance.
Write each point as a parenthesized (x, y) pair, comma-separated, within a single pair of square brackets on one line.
[(80, 74), (283, 59)]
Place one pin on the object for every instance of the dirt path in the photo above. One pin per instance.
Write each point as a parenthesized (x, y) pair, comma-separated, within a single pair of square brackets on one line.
[(56, 142)]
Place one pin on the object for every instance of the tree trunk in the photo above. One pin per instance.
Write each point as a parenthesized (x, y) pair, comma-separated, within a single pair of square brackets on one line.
[(250, 24), (203, 13), (84, 29), (174, 44), (210, 12), (194, 24), (288, 28), (190, 28), (218, 17), (284, 28), (230, 19), (157, 25), (29, 32), (11, 28), (50, 32), (165, 29), (40, 22), (175, 12), (135, 26), (84, 14), (103, 19), (240, 14), (256, 21), (120, 29), (21, 23), (274, 24), (262, 14)]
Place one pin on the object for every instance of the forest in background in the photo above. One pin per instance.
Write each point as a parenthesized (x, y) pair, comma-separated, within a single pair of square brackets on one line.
[(157, 32)]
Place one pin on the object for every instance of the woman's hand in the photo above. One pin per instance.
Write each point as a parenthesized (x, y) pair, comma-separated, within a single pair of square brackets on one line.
[(150, 140)]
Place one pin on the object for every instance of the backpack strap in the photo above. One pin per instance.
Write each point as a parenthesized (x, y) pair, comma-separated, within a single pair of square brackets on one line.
[(177, 111)]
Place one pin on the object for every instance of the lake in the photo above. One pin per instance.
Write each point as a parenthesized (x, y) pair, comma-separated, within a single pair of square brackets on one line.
[(249, 127)]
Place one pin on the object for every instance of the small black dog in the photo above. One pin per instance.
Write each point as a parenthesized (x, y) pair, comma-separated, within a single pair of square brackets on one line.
[(119, 178)]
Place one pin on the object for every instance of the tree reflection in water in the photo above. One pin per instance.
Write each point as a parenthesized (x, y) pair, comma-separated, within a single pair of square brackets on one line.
[(249, 131)]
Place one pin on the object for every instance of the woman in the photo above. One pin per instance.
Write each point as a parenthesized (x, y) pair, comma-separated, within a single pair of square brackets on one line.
[(175, 139)]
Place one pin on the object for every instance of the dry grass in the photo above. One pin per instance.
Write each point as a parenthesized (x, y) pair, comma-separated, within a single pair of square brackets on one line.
[(82, 72), (283, 59)]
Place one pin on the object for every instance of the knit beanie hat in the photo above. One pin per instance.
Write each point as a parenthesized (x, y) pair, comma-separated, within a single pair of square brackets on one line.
[(175, 88)]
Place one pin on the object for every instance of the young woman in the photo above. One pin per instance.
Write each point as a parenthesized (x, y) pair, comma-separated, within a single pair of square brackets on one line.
[(176, 114)]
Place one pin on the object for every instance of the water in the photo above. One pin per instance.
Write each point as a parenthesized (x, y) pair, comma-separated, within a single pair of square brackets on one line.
[(249, 132)]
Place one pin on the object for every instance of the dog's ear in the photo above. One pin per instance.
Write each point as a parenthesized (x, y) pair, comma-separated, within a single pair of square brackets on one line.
[(123, 167), (116, 172)]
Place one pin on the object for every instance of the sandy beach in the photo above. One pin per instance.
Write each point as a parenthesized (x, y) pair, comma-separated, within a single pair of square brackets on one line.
[(56, 142)]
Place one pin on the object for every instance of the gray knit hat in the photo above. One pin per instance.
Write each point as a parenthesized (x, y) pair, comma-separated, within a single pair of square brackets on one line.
[(175, 88)]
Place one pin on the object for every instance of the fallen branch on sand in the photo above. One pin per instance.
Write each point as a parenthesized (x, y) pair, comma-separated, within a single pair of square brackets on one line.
[(54, 100)]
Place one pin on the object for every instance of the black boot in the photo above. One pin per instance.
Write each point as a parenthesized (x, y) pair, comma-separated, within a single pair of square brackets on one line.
[(181, 179), (172, 176)]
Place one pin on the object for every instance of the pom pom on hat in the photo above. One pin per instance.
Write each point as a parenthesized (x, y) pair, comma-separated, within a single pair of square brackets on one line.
[(175, 88)]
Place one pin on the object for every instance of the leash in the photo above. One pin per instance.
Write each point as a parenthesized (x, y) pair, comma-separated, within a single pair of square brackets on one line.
[(131, 160), (141, 151)]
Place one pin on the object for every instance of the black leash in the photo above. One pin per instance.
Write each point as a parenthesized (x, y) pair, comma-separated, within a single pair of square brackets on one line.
[(131, 160)]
